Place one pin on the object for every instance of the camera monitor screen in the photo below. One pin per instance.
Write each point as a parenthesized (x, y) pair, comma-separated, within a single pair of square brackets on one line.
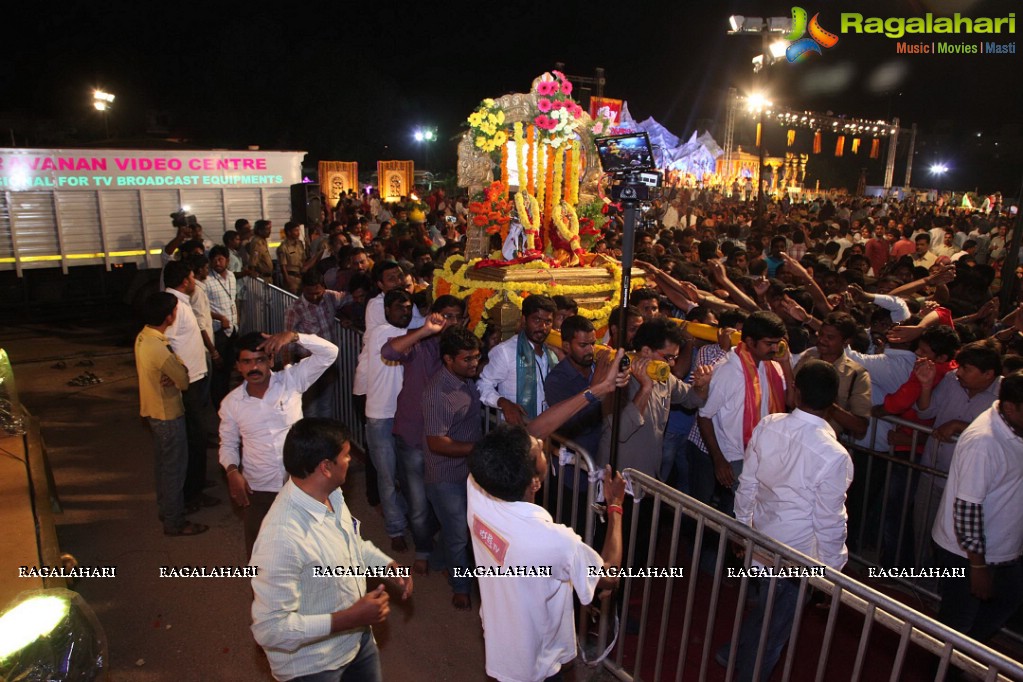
[(623, 153)]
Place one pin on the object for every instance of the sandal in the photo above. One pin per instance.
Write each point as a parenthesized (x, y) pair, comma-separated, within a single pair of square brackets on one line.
[(189, 528)]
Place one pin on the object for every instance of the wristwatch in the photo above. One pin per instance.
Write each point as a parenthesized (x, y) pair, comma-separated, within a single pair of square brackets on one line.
[(590, 398)]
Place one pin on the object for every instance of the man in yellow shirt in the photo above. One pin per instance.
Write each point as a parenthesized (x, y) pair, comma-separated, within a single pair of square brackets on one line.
[(162, 377)]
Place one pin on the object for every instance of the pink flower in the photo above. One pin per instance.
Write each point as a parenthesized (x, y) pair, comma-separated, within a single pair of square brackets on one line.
[(546, 88), (576, 110), (598, 128), (558, 104), (557, 74), (566, 87), (544, 122), (543, 105)]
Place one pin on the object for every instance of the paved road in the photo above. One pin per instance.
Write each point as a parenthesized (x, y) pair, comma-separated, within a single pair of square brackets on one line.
[(178, 629)]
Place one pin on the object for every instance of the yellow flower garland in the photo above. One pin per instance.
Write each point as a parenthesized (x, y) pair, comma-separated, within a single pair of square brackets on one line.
[(529, 216), (540, 175), (520, 156), (568, 229), (573, 182), (559, 177), (454, 269)]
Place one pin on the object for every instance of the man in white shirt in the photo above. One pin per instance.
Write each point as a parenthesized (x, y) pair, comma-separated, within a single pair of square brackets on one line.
[(222, 290), (727, 419), (255, 418), (383, 383), (314, 626), (977, 529), (186, 341), (792, 488), (513, 379)]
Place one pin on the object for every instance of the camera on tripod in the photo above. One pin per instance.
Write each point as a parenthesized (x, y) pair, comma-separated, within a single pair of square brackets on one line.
[(629, 159)]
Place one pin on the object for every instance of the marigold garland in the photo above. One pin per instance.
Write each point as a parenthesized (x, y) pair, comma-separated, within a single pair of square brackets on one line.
[(548, 185), (559, 176), (577, 161), (566, 221), (540, 175), (530, 132), (529, 215), (455, 267), (569, 157), (520, 157)]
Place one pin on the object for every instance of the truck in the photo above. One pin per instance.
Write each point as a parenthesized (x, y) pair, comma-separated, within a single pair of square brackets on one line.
[(107, 211)]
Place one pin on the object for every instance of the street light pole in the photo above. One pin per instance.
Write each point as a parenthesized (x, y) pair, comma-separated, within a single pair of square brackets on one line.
[(760, 129)]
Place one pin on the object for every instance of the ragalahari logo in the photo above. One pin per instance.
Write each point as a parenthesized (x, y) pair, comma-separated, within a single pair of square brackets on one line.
[(800, 48)]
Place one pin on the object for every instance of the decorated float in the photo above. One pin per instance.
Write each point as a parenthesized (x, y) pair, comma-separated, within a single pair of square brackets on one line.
[(532, 173)]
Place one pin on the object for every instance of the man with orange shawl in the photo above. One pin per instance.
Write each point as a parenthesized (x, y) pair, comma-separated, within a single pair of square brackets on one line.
[(747, 386)]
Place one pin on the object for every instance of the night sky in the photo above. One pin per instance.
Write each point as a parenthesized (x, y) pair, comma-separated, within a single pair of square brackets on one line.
[(351, 81)]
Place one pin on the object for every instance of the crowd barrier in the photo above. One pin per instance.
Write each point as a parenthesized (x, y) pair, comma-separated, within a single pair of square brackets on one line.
[(262, 308), (890, 509), (708, 597), (886, 477)]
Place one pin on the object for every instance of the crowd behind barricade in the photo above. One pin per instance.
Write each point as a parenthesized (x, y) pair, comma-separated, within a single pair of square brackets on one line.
[(831, 315)]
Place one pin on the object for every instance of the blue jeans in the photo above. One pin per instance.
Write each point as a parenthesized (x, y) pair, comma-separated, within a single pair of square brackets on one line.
[(421, 520), (449, 501), (673, 454), (381, 450), (364, 668), (169, 464), (783, 612)]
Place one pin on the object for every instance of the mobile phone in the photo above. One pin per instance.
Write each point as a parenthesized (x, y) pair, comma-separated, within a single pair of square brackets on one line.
[(625, 363)]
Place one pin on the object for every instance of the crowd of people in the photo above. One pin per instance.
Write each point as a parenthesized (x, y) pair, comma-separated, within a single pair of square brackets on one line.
[(832, 315)]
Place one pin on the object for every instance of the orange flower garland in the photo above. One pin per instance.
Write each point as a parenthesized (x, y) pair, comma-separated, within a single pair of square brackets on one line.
[(540, 186), (475, 306)]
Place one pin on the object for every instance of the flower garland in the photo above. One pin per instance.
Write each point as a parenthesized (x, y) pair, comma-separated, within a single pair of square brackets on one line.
[(540, 175), (556, 116), (548, 184), (529, 215), (485, 126), (559, 176), (567, 229), (452, 274), (530, 186), (520, 155), (573, 169)]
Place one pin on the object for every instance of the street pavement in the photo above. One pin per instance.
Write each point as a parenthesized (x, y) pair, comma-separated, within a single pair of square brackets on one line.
[(183, 629)]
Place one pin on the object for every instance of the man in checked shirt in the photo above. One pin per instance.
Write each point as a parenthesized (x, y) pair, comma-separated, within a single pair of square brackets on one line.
[(978, 524)]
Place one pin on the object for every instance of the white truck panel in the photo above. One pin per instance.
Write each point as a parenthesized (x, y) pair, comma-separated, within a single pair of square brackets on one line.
[(88, 206)]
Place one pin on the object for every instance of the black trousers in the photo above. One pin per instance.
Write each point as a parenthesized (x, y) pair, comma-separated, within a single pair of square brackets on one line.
[(197, 400)]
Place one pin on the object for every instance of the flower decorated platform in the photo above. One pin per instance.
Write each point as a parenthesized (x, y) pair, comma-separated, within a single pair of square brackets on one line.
[(530, 165)]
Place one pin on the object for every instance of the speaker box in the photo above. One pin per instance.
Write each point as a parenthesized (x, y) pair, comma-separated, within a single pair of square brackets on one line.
[(306, 207)]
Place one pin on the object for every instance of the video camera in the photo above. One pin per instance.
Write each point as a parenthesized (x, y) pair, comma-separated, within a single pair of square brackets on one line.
[(182, 218), (629, 159)]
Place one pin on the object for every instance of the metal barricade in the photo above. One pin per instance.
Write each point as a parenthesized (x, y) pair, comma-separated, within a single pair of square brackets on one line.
[(349, 346), (263, 308), (708, 597), (894, 512)]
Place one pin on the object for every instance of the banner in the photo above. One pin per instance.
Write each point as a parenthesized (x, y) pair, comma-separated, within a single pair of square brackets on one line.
[(608, 108), (395, 179), (41, 169), (336, 178)]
